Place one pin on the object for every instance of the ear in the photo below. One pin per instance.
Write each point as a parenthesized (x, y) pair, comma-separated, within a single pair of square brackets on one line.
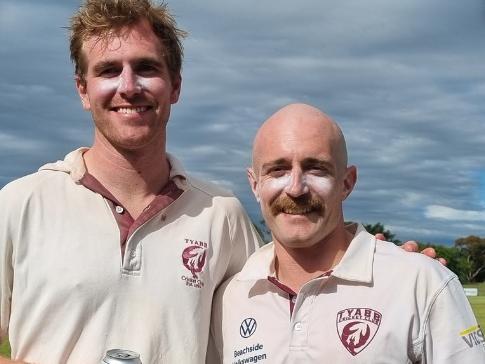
[(350, 180), (253, 182), (176, 87), (82, 91)]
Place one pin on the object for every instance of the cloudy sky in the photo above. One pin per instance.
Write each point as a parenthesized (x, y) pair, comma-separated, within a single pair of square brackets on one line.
[(405, 80)]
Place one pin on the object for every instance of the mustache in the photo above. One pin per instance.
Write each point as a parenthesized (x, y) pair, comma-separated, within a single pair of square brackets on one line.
[(299, 205)]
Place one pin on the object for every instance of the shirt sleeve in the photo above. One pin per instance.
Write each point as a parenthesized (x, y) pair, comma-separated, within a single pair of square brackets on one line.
[(244, 240), (6, 270), (215, 348), (452, 334)]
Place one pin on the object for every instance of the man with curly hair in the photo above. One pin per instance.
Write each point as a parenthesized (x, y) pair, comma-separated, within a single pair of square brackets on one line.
[(116, 246)]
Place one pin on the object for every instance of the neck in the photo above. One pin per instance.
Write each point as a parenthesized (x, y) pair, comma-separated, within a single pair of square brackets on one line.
[(297, 266), (133, 177)]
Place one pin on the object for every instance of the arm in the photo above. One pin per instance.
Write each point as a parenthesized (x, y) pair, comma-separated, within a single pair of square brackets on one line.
[(244, 240), (5, 275), (452, 334), (215, 347)]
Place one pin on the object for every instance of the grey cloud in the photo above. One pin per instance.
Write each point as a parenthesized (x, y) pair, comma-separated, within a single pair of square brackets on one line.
[(406, 80)]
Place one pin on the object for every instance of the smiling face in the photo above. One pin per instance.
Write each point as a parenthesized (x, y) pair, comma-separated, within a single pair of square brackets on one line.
[(300, 176), (128, 88)]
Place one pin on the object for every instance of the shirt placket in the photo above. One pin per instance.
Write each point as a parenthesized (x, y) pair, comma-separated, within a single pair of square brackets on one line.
[(131, 250)]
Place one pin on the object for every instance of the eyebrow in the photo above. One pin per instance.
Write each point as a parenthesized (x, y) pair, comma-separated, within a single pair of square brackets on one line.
[(142, 61), (277, 162), (149, 61), (311, 162), (98, 67), (305, 163)]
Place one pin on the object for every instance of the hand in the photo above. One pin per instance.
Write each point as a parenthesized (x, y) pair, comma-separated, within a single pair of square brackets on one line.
[(412, 246)]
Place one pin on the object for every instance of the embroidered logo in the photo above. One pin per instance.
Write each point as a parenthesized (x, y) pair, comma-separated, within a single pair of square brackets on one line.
[(248, 327), (194, 258), (356, 328)]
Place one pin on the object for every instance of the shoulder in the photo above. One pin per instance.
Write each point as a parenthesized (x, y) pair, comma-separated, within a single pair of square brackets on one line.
[(208, 188), (219, 196), (257, 268), (417, 267), (29, 184)]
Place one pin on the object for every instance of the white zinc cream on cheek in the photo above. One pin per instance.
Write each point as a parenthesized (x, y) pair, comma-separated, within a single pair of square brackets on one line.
[(117, 84), (273, 185), (110, 85), (319, 184)]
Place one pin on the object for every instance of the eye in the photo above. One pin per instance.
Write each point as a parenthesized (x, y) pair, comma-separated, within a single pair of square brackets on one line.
[(277, 171), (147, 69), (318, 171), (109, 72)]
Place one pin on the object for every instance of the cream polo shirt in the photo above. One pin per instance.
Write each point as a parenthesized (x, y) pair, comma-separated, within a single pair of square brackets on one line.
[(67, 294), (379, 305)]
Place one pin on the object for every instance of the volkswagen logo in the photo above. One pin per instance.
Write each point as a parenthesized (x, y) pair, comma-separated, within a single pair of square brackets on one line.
[(248, 327)]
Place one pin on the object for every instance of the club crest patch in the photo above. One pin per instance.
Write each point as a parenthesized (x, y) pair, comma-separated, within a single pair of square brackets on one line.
[(194, 259), (356, 327)]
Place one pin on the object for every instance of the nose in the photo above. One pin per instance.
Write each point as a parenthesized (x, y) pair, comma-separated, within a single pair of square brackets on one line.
[(129, 84), (297, 185)]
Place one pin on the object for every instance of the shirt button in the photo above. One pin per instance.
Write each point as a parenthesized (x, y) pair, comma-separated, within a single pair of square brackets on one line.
[(133, 254), (298, 326), (119, 209), (163, 217)]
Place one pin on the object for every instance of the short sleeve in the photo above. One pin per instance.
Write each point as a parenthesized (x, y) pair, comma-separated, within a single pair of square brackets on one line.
[(6, 270), (245, 240), (452, 334)]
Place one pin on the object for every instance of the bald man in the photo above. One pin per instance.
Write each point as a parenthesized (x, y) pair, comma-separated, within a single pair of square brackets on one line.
[(323, 291)]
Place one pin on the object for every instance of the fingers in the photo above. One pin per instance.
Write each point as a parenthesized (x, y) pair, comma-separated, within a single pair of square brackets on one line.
[(380, 236), (430, 252), (443, 261), (410, 246)]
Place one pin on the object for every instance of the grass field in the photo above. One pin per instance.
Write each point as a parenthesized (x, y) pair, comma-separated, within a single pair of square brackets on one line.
[(5, 349), (478, 305)]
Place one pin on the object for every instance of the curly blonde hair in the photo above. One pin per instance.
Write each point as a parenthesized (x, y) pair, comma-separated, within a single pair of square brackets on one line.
[(102, 18)]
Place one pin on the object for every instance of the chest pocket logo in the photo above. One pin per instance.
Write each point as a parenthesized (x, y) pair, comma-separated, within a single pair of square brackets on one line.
[(356, 328), (248, 327)]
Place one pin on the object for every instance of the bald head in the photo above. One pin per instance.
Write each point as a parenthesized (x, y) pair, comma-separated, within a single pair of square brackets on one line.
[(298, 124), (300, 176)]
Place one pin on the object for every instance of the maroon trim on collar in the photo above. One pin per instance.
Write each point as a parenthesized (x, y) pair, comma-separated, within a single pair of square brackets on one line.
[(292, 294), (169, 193), (126, 224), (90, 182)]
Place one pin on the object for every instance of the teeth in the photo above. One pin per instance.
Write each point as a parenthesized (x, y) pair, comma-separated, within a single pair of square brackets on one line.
[(297, 212), (131, 110)]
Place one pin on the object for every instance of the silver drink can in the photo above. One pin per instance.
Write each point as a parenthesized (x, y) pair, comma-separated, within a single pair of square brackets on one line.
[(121, 356)]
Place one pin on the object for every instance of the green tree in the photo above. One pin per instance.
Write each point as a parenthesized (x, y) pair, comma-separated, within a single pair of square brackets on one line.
[(263, 231), (379, 228), (457, 260), (473, 249)]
